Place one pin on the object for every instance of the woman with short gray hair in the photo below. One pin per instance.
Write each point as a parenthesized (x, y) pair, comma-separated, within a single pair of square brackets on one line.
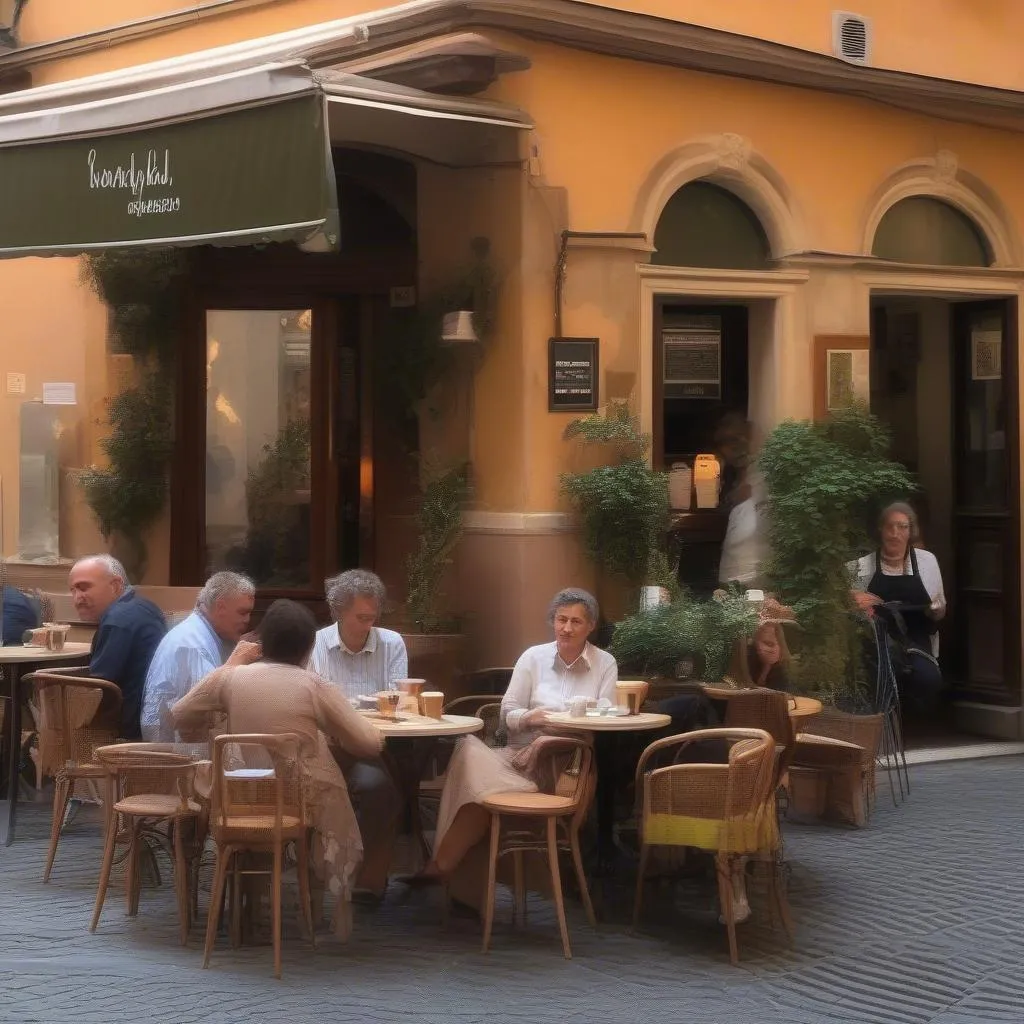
[(546, 679)]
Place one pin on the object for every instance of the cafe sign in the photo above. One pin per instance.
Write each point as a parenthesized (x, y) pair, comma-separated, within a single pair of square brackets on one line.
[(572, 374), (245, 176)]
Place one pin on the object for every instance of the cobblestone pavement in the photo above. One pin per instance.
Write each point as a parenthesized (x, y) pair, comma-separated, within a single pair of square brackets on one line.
[(915, 919)]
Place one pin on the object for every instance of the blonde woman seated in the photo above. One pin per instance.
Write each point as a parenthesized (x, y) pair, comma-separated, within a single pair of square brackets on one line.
[(545, 680), (277, 695)]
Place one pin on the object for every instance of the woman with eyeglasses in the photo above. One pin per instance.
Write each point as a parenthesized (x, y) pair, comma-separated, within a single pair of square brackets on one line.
[(906, 581)]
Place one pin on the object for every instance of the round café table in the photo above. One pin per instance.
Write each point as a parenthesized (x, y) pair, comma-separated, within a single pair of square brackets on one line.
[(800, 708), (412, 741), (16, 663), (607, 729)]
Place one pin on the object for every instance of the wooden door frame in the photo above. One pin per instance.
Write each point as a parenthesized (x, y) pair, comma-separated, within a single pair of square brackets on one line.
[(277, 278), (1009, 306)]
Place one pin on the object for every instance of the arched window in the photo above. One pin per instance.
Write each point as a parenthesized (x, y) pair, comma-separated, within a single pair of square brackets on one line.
[(928, 231), (704, 225)]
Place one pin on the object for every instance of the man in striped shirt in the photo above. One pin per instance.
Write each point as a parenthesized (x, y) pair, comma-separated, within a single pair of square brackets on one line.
[(361, 658)]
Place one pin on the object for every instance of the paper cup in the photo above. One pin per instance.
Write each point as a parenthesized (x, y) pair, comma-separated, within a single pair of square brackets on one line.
[(578, 707), (411, 690), (630, 694), (432, 701)]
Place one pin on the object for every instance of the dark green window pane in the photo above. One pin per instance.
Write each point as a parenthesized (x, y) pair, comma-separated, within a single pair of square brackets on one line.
[(929, 231)]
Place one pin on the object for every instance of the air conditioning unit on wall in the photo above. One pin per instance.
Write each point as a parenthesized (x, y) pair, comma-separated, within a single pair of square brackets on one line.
[(851, 37)]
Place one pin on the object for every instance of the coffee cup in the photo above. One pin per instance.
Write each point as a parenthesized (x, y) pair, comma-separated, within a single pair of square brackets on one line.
[(411, 689), (56, 636), (432, 702), (35, 637), (630, 694), (387, 703)]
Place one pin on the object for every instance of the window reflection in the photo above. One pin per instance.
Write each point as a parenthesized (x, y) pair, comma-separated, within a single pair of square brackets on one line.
[(258, 444)]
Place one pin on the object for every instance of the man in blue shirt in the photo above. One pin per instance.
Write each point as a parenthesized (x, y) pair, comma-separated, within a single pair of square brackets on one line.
[(128, 631), (19, 615), (195, 647)]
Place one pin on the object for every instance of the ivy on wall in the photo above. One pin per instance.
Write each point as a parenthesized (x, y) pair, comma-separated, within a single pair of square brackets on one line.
[(143, 292)]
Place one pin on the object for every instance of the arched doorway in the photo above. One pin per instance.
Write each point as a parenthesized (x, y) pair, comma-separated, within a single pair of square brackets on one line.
[(708, 355), (944, 377)]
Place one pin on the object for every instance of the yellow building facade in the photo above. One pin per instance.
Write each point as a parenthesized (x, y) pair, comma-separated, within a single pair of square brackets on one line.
[(643, 172)]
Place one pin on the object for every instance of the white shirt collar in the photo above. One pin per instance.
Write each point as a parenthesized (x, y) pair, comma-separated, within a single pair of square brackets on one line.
[(334, 641)]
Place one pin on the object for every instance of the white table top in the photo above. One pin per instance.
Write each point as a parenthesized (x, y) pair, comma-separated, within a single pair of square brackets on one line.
[(41, 655), (643, 722), (411, 725)]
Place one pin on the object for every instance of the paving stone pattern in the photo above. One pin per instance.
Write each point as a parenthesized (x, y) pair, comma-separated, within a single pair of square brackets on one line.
[(915, 920)]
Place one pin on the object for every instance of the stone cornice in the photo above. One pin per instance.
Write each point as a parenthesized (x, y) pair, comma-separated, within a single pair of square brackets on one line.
[(613, 33)]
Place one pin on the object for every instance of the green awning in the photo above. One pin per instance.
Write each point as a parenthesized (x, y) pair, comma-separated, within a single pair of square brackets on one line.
[(254, 175), (211, 150)]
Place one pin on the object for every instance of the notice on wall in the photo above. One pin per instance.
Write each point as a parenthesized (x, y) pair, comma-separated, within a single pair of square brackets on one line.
[(849, 377), (986, 355), (692, 358), (572, 374), (59, 394), (15, 383)]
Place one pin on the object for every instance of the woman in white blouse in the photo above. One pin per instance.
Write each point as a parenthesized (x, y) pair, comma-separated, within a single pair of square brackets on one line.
[(907, 576), (545, 680)]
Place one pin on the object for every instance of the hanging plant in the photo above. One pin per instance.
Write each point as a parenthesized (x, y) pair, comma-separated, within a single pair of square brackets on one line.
[(143, 293)]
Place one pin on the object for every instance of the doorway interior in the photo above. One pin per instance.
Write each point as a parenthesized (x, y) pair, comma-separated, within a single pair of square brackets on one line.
[(944, 379)]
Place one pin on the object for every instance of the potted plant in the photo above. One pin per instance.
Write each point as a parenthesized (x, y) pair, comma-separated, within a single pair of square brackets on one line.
[(432, 632), (825, 481), (622, 505), (686, 638)]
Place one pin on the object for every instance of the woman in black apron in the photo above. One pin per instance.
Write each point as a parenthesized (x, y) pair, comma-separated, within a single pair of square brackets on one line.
[(911, 618)]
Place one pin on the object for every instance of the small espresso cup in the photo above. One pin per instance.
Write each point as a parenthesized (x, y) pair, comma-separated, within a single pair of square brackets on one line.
[(432, 701), (630, 694), (578, 707), (387, 703)]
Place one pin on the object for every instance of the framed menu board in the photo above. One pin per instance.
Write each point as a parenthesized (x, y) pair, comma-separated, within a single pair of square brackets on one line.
[(692, 358), (572, 374)]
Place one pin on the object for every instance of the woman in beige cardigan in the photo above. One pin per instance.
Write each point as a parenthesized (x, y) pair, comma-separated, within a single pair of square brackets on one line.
[(277, 695)]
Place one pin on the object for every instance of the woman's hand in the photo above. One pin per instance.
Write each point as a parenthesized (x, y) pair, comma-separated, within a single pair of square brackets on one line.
[(535, 719), (865, 602), (245, 653)]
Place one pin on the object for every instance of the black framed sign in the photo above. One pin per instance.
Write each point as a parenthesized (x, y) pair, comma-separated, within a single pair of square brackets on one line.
[(572, 374)]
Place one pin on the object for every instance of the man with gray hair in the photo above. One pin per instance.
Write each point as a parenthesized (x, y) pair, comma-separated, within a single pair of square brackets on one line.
[(355, 654), (128, 630), (361, 658), (209, 637)]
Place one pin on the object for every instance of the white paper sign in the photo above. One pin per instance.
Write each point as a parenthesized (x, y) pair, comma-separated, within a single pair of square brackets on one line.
[(15, 383), (59, 394)]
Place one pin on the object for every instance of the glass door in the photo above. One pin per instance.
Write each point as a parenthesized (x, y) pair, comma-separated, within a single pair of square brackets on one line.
[(263, 490)]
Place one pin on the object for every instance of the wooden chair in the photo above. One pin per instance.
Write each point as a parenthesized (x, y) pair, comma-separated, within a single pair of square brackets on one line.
[(762, 708), (548, 822), (76, 714), (262, 815), (723, 808), (835, 755), (149, 784)]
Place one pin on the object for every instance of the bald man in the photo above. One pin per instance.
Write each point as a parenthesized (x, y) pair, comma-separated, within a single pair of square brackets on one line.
[(129, 628)]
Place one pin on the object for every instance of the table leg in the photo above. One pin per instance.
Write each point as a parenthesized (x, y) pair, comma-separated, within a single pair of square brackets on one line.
[(606, 750), (407, 764), (12, 717)]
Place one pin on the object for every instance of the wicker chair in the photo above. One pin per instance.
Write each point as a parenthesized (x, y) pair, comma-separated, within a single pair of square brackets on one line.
[(835, 756), (723, 808), (149, 784), (260, 814), (548, 822), (76, 714)]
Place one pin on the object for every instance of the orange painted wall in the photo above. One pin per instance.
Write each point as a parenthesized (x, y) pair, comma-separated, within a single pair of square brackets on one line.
[(967, 40)]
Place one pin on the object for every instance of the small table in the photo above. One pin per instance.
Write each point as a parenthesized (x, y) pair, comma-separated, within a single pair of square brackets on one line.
[(607, 729), (799, 707), (18, 662), (418, 735)]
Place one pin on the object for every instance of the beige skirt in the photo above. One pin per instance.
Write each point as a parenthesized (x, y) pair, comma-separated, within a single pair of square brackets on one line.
[(475, 772)]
